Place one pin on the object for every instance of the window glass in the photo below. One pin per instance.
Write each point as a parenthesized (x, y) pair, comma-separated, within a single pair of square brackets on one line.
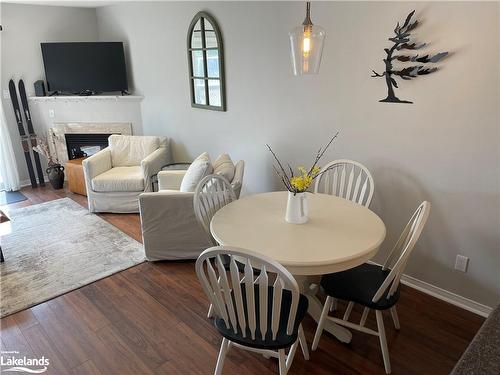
[(196, 36), (213, 63), (199, 91), (210, 39), (197, 60), (214, 92), (208, 25)]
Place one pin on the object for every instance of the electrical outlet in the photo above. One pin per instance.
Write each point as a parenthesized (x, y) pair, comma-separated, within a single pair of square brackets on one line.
[(52, 113), (6, 94), (461, 263)]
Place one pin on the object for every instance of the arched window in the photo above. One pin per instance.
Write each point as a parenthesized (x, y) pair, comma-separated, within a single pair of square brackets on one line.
[(206, 63)]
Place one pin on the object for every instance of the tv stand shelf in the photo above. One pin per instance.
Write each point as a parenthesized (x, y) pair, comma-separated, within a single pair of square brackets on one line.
[(77, 98)]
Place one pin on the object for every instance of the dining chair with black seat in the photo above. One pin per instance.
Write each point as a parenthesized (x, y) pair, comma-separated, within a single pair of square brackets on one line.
[(261, 314), (373, 286), (346, 179), (212, 193)]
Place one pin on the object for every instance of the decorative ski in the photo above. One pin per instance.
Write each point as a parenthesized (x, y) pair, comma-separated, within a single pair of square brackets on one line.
[(31, 131), (24, 137)]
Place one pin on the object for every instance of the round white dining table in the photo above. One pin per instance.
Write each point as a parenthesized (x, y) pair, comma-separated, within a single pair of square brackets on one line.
[(339, 235)]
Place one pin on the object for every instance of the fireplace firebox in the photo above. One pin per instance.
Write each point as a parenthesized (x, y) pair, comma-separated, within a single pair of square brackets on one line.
[(85, 144)]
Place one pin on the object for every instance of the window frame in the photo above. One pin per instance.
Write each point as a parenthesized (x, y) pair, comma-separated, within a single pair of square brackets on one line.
[(201, 16)]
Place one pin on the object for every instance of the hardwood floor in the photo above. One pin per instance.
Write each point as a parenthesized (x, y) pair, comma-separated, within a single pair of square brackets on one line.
[(151, 319)]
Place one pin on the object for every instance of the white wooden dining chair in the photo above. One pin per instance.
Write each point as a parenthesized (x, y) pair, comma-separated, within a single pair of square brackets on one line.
[(211, 194), (346, 179), (373, 286), (262, 314)]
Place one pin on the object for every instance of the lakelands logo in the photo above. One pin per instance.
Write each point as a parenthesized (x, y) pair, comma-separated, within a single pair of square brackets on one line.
[(12, 362)]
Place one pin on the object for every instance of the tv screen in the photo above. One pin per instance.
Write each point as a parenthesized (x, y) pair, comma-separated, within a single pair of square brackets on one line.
[(85, 66)]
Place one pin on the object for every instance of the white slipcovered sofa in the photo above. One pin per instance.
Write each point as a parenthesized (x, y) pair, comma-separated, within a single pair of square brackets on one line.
[(170, 230), (116, 175)]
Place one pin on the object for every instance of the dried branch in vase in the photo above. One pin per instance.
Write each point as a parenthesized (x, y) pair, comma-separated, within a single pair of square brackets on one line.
[(42, 148), (301, 182)]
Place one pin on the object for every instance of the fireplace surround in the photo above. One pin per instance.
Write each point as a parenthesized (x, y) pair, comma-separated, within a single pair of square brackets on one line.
[(85, 133)]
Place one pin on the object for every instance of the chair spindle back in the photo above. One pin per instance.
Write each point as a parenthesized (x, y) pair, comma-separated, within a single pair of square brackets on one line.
[(212, 193), (398, 257), (230, 291), (346, 179)]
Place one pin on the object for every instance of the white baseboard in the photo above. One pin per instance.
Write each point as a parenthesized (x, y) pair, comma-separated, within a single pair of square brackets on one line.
[(446, 296), (27, 182)]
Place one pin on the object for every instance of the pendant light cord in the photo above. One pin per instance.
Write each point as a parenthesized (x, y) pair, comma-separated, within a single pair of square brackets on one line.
[(307, 20)]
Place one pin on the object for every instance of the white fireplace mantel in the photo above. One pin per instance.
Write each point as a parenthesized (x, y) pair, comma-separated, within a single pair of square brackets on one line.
[(75, 98)]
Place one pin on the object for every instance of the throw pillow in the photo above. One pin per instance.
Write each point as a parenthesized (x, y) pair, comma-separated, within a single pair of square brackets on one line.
[(224, 166), (198, 169)]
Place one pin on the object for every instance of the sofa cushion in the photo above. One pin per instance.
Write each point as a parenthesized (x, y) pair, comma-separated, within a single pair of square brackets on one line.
[(119, 179), (238, 177), (224, 166), (130, 150), (198, 169), (170, 180)]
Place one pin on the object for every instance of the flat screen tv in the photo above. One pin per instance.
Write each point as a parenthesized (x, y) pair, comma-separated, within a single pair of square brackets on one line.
[(85, 67)]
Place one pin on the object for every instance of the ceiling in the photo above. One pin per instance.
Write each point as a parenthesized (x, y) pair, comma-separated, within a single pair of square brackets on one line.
[(90, 3), (68, 3)]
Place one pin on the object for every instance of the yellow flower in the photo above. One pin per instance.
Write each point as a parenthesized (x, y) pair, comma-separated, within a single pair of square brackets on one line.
[(301, 183)]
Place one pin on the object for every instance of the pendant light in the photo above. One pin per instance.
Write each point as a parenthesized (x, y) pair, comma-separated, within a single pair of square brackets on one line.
[(306, 42)]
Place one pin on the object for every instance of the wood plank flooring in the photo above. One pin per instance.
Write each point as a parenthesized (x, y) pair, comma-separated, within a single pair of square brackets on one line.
[(151, 319)]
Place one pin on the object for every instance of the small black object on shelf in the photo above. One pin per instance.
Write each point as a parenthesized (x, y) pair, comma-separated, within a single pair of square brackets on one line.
[(40, 88), (402, 41)]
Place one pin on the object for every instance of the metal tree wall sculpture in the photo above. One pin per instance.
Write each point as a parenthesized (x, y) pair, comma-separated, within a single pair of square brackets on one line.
[(402, 42)]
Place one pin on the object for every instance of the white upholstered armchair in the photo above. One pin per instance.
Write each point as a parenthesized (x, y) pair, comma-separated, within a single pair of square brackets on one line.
[(116, 175), (170, 229)]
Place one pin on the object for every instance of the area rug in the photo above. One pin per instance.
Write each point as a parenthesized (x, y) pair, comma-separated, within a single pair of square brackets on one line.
[(9, 197), (56, 247)]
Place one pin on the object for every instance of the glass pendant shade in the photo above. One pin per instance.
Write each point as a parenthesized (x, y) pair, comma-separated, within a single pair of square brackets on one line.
[(306, 42)]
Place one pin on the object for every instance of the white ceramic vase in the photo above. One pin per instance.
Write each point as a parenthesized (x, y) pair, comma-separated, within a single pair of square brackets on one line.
[(296, 208)]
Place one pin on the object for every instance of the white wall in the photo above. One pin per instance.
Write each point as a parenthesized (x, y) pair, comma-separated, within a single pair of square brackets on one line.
[(444, 148), (24, 28)]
